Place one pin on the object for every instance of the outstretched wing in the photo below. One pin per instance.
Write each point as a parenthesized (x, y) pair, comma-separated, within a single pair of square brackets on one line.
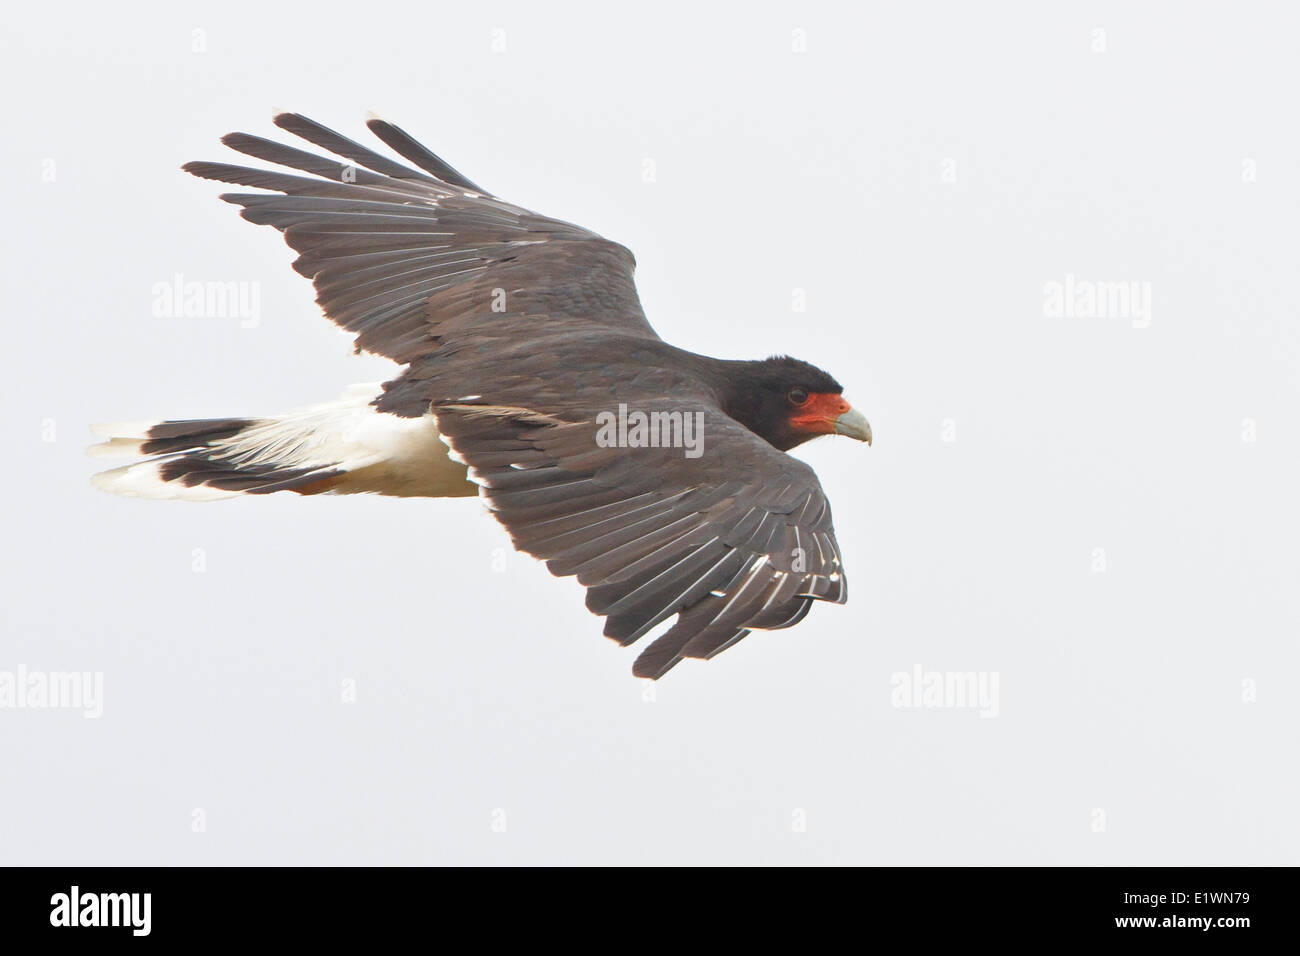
[(539, 320), (403, 256), (736, 539)]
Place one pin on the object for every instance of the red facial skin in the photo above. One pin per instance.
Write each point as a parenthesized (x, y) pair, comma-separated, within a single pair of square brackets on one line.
[(817, 415)]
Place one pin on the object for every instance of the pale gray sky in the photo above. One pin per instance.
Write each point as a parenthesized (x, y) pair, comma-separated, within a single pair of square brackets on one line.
[(1099, 509)]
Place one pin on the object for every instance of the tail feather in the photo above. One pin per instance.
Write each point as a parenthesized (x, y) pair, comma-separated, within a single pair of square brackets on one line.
[(341, 447), (134, 439)]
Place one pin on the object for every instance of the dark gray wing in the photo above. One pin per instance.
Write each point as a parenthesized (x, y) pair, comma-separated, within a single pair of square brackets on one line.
[(404, 257), (739, 538)]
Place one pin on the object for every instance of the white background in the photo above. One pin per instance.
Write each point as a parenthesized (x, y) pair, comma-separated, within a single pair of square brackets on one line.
[(1126, 730)]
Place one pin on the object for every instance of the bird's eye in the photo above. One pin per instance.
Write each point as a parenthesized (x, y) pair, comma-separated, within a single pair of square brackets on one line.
[(797, 396)]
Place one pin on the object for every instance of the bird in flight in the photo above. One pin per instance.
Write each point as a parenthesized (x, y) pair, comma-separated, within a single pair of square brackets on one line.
[(657, 477)]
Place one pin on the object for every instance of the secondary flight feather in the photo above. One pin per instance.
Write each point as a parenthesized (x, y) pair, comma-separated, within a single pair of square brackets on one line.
[(657, 477)]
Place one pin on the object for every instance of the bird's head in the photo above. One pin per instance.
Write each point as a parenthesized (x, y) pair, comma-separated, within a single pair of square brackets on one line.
[(787, 401)]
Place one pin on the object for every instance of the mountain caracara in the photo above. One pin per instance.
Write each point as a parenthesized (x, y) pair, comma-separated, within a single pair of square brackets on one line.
[(532, 378)]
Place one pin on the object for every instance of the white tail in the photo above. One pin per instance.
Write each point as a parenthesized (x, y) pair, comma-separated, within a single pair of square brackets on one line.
[(341, 447)]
